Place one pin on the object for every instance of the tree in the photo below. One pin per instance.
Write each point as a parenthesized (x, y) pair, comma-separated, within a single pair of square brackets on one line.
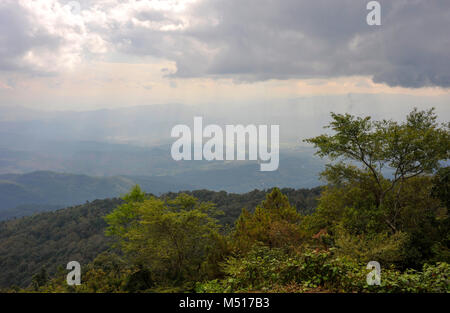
[(407, 150), (168, 238), (39, 279), (274, 223), (441, 186), (126, 215)]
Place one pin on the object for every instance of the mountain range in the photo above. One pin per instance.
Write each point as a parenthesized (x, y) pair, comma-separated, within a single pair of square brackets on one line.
[(54, 159)]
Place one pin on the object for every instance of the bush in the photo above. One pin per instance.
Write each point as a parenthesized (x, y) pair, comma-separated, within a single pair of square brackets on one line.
[(265, 269)]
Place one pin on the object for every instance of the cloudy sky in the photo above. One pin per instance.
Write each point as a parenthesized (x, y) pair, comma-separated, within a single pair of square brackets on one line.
[(86, 54)]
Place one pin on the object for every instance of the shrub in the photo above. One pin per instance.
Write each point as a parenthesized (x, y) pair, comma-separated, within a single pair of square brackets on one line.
[(265, 269)]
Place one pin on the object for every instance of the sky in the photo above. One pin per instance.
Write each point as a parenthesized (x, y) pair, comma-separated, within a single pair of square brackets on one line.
[(86, 55)]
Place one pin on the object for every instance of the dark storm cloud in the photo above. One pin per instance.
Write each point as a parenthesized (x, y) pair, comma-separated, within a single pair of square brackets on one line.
[(265, 39), (271, 39)]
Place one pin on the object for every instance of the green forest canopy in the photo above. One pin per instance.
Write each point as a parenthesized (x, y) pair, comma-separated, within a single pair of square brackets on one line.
[(51, 239)]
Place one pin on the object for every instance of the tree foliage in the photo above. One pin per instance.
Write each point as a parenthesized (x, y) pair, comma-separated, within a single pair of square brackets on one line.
[(382, 187), (274, 223), (408, 149), (169, 238)]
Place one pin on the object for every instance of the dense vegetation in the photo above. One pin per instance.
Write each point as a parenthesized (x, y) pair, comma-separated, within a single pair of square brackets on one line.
[(51, 239), (176, 242)]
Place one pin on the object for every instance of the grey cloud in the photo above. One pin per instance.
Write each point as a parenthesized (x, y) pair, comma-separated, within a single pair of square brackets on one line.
[(16, 38), (267, 39)]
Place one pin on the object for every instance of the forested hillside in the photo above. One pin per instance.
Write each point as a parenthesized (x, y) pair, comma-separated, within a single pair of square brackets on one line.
[(277, 240), (178, 243), (52, 239)]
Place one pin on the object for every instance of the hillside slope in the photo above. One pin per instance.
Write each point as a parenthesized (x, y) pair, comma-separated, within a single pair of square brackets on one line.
[(52, 239)]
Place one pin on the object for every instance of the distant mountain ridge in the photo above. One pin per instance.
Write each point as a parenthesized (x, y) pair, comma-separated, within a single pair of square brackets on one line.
[(45, 190), (151, 168)]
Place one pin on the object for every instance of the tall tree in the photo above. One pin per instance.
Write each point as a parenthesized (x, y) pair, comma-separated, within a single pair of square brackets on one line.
[(169, 238), (274, 223), (406, 150)]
